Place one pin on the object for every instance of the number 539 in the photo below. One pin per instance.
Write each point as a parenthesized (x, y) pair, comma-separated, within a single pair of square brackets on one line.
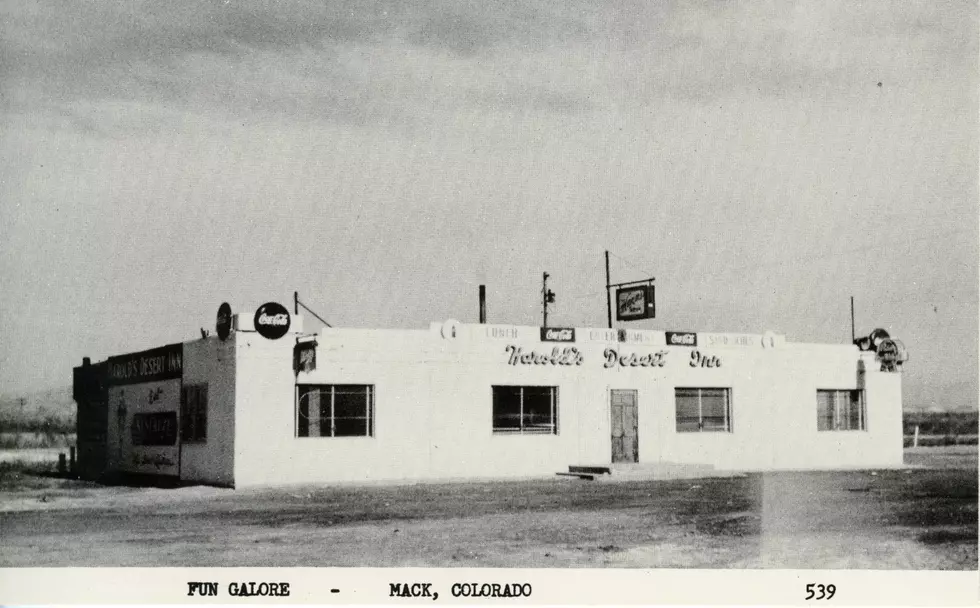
[(822, 592)]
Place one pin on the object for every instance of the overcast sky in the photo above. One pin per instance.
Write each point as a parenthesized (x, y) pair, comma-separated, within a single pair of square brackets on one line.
[(765, 161)]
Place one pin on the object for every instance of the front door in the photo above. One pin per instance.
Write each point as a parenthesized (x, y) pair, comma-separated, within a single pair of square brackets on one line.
[(622, 407)]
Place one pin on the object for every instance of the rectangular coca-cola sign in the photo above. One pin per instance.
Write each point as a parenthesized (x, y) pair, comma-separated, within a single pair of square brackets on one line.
[(557, 334), (163, 363)]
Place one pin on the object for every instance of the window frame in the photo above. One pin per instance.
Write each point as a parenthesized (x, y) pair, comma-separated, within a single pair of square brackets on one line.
[(842, 403), (194, 413), (370, 392), (726, 391), (521, 430)]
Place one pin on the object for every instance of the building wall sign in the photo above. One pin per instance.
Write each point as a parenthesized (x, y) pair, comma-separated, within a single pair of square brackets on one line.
[(163, 363), (681, 338), (633, 303), (557, 334), (700, 360), (558, 356), (272, 320), (613, 357), (222, 325), (744, 340), (154, 428)]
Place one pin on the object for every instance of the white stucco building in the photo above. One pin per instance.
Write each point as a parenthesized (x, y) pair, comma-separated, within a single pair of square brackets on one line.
[(462, 401)]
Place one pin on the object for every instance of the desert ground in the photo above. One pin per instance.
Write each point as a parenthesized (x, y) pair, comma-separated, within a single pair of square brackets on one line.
[(921, 517)]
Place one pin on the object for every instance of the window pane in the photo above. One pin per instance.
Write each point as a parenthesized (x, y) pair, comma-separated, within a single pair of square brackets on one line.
[(350, 401), (201, 417), (538, 409), (350, 427), (303, 413), (714, 409), (856, 418), (507, 408), (825, 410), (688, 414)]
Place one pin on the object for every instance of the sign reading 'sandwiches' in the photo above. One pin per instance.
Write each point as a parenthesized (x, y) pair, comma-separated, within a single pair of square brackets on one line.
[(163, 363)]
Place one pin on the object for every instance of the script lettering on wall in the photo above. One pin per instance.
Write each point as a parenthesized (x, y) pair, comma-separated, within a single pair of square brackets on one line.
[(699, 360), (558, 356), (657, 359)]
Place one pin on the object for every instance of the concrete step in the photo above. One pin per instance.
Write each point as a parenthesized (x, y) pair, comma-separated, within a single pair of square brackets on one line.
[(664, 470), (586, 476)]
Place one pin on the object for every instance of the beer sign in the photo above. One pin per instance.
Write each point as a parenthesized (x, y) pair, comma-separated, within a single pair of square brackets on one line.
[(634, 303)]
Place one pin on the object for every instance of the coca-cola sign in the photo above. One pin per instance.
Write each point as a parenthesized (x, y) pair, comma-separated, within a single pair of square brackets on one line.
[(223, 324), (272, 320), (681, 338), (557, 334)]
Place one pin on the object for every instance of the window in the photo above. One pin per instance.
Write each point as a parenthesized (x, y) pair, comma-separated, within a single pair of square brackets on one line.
[(525, 410), (703, 410), (335, 410), (194, 412), (840, 410)]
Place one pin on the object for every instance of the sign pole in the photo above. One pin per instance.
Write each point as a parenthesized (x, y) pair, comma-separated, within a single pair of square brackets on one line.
[(608, 297)]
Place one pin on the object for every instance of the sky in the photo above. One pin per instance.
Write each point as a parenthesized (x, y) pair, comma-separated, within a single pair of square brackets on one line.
[(765, 161)]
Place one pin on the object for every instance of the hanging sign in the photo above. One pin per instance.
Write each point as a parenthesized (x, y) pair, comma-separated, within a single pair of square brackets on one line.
[(222, 326), (634, 303), (272, 320), (304, 356)]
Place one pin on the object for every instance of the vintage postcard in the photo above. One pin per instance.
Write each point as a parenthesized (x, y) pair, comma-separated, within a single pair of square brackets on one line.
[(526, 302)]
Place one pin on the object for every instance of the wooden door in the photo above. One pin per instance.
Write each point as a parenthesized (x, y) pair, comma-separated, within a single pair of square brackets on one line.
[(625, 441)]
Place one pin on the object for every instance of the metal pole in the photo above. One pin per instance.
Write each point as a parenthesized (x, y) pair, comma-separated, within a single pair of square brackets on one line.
[(608, 296), (544, 298), (295, 302), (852, 320), (483, 304)]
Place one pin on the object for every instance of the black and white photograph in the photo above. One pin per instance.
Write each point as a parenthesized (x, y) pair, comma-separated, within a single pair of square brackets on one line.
[(453, 285)]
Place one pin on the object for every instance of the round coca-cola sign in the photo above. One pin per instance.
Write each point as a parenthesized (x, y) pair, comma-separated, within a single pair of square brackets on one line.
[(272, 320), (223, 324)]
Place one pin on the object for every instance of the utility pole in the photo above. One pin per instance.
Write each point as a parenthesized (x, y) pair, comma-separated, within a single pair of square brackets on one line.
[(608, 297), (852, 320), (547, 297)]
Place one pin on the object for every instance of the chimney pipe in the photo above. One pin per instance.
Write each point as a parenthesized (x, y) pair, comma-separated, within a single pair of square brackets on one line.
[(483, 304)]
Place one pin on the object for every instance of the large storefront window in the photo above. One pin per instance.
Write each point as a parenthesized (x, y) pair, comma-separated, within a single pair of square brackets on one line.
[(703, 410), (335, 410), (525, 409), (840, 410)]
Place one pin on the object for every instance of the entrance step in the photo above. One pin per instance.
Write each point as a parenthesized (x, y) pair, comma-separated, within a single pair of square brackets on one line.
[(586, 476), (589, 469), (663, 470)]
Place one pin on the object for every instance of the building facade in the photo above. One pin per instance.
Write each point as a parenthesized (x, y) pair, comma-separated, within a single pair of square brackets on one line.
[(458, 401)]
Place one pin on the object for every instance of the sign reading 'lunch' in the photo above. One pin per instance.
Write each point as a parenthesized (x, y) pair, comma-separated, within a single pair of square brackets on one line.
[(272, 320), (564, 356)]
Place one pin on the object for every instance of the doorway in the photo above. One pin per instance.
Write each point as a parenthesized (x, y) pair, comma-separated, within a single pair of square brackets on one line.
[(622, 408)]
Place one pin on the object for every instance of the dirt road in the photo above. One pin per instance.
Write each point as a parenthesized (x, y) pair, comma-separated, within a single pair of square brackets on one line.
[(908, 519)]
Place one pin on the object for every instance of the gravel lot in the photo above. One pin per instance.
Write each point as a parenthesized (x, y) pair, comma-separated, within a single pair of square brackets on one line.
[(924, 517)]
